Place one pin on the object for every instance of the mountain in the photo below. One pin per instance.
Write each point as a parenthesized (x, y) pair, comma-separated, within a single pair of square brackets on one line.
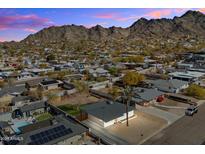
[(189, 25)]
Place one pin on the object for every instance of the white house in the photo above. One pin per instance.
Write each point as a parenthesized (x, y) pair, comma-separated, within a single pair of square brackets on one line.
[(106, 113)]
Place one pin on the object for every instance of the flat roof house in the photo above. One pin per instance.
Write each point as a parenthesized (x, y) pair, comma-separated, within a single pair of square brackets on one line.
[(49, 84), (106, 113), (32, 84), (189, 76)]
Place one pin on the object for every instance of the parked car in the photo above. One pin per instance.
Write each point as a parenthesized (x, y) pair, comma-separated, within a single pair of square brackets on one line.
[(190, 111)]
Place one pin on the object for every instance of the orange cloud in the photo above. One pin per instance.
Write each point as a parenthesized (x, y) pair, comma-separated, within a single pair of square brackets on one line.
[(106, 15), (159, 13), (30, 30), (2, 40), (202, 10)]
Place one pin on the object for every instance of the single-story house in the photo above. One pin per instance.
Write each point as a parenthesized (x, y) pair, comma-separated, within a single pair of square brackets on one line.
[(170, 86), (106, 113), (49, 84), (145, 96), (14, 90), (189, 76), (99, 72), (28, 110), (182, 65), (69, 88), (20, 100), (33, 83)]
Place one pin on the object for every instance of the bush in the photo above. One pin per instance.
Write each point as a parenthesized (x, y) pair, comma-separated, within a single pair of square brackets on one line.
[(196, 91)]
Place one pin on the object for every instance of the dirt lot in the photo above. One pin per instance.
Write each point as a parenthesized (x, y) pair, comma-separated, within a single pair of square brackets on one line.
[(77, 99), (173, 106), (140, 128)]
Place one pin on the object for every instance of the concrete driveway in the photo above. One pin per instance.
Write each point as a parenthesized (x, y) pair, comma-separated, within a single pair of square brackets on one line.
[(169, 117)]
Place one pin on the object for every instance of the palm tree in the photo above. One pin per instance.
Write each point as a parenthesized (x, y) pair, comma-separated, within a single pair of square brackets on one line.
[(129, 80)]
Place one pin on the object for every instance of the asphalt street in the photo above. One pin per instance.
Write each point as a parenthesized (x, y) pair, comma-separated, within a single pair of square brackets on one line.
[(187, 130)]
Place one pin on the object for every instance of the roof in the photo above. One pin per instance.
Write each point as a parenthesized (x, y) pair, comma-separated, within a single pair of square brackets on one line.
[(49, 135), (3, 124), (187, 74), (68, 86), (12, 89), (33, 106), (146, 94), (106, 110), (168, 85), (34, 82), (49, 82), (20, 98), (98, 70)]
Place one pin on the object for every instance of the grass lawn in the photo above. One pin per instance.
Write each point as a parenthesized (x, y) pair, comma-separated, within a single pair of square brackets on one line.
[(71, 109), (43, 116)]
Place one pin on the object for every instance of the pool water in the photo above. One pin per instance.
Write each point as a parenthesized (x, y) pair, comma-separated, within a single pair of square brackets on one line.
[(19, 124)]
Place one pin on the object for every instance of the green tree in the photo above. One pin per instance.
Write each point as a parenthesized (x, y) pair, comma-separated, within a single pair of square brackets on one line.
[(115, 92), (196, 91), (132, 78), (81, 86)]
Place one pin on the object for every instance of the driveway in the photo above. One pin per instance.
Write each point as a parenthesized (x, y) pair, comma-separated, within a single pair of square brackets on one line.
[(169, 117)]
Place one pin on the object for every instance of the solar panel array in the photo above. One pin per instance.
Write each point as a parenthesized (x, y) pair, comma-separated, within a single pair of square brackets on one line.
[(49, 135)]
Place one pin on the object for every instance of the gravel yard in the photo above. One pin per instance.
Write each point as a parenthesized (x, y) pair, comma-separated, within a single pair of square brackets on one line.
[(140, 128)]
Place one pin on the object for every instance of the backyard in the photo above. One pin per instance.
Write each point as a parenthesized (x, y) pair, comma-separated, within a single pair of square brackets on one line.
[(71, 109), (44, 116)]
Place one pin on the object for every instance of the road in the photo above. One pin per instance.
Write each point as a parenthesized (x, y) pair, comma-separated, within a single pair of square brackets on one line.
[(186, 130)]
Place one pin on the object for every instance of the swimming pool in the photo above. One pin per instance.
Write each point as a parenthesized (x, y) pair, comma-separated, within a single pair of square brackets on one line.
[(19, 124)]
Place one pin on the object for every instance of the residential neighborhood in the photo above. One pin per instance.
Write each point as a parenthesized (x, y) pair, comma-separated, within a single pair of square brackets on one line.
[(87, 93)]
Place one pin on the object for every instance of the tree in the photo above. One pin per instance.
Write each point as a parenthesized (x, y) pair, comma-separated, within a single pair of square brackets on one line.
[(196, 91), (132, 78), (50, 57), (113, 71), (115, 92), (81, 86)]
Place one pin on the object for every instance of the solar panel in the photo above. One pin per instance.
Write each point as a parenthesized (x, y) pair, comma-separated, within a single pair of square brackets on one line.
[(49, 135)]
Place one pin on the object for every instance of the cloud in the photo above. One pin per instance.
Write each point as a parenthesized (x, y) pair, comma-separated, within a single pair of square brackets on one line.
[(105, 15), (30, 30), (24, 22), (94, 24), (2, 40), (159, 13), (202, 10)]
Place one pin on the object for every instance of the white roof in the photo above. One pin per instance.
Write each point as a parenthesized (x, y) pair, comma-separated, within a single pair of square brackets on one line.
[(188, 74)]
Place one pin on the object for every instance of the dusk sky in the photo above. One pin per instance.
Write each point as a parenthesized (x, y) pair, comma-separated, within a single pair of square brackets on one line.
[(16, 24)]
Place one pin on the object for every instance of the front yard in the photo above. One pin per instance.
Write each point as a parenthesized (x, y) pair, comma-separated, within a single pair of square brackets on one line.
[(140, 128)]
